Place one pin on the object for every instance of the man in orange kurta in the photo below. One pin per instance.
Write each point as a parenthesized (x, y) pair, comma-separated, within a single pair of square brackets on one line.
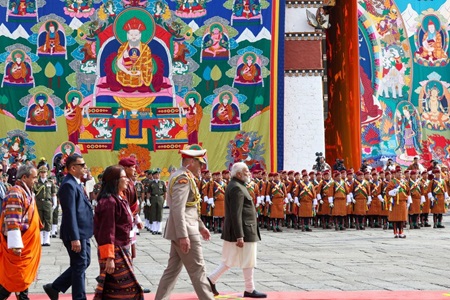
[(20, 242)]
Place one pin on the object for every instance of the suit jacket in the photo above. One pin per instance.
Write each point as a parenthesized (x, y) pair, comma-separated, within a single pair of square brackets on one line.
[(240, 214), (184, 219), (77, 221)]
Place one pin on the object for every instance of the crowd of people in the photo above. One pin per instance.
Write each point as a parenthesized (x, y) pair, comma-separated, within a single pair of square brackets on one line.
[(234, 203)]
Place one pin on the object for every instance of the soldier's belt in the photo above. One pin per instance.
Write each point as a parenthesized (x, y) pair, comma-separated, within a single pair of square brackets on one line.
[(45, 199)]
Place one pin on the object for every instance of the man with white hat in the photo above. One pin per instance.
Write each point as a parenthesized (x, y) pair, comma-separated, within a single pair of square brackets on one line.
[(184, 227)]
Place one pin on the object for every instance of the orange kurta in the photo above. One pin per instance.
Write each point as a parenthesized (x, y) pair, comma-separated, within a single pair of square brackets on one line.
[(398, 207), (375, 206), (438, 189), (325, 188), (340, 198), (306, 194), (278, 194), (361, 192), (416, 191)]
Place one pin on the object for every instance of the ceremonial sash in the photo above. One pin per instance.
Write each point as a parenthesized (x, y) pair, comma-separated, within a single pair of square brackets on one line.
[(338, 187), (327, 186), (306, 189), (414, 186), (360, 188), (276, 189), (219, 188)]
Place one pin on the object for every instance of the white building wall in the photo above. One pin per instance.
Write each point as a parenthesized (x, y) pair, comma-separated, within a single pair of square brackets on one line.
[(304, 132), (296, 19)]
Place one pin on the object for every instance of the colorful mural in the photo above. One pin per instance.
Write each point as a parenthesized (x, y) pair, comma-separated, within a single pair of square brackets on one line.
[(141, 78), (404, 70)]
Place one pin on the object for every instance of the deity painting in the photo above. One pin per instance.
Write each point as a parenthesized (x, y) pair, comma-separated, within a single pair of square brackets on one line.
[(370, 106), (134, 66), (194, 113), (67, 149), (249, 71), (215, 43), (79, 8), (394, 69), (135, 3), (52, 40), (73, 113), (107, 12), (246, 10), (431, 41), (15, 149), (434, 98), (190, 8), (225, 113), (408, 132), (161, 12), (21, 11), (18, 70), (41, 114), (246, 147)]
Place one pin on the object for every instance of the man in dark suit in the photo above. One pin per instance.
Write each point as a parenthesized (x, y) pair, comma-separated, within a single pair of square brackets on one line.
[(76, 230), (240, 232)]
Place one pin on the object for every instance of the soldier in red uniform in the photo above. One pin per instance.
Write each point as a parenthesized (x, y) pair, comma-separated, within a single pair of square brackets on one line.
[(399, 197), (361, 195), (324, 190), (306, 199), (426, 205), (438, 195), (418, 198), (278, 196), (374, 211), (338, 201)]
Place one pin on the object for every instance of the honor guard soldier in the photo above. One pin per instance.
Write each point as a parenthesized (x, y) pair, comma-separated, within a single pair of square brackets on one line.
[(350, 220), (216, 195), (374, 212), (291, 211), (45, 191), (55, 213), (361, 195), (324, 191), (306, 198), (438, 195), (146, 202), (425, 207), (158, 191), (278, 196), (206, 211), (338, 201), (398, 191), (226, 176), (418, 198)]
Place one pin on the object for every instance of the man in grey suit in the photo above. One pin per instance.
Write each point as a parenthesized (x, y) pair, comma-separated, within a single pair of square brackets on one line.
[(184, 227), (240, 233)]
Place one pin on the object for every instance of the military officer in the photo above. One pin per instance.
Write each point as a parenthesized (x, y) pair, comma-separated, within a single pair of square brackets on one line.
[(158, 191), (146, 202), (45, 191)]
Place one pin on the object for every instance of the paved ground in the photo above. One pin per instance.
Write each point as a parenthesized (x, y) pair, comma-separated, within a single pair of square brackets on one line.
[(322, 260)]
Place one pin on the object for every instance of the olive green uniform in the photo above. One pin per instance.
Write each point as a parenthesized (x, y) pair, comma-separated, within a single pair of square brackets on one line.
[(44, 192)]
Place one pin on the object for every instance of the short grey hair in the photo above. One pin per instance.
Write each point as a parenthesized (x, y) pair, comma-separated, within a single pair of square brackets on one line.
[(24, 170), (237, 167)]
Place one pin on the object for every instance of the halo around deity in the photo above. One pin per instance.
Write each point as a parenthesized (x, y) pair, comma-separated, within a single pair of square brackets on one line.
[(194, 95), (127, 15), (226, 93), (40, 96), (436, 85), (71, 94), (432, 18), (47, 25), (251, 54), (18, 52)]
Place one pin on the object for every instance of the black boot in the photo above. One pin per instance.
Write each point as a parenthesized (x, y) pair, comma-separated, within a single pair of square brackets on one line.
[(23, 295)]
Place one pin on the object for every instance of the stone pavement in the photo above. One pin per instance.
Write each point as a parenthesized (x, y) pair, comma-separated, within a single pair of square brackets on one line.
[(322, 260)]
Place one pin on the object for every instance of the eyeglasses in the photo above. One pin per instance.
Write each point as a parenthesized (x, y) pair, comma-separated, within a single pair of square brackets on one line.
[(83, 165)]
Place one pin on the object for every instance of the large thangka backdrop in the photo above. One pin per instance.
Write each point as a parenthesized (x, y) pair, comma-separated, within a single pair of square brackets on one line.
[(405, 76), (114, 78)]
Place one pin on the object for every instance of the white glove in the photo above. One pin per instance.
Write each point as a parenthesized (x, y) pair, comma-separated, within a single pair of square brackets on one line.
[(258, 201), (351, 195), (211, 201), (353, 200), (148, 202), (296, 201), (330, 200), (349, 198), (94, 203), (380, 198), (315, 202), (446, 196), (267, 198), (321, 201), (430, 196), (422, 199), (205, 199), (270, 202), (369, 200), (286, 200), (212, 205), (409, 200), (393, 192), (55, 202), (290, 197), (331, 204), (319, 197)]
